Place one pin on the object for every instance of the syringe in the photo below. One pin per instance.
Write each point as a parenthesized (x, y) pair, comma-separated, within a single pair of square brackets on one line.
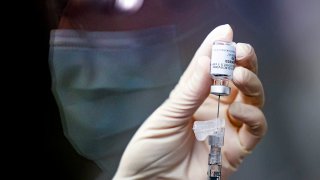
[(221, 69)]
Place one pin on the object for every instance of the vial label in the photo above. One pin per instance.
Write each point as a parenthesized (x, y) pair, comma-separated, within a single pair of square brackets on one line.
[(222, 60)]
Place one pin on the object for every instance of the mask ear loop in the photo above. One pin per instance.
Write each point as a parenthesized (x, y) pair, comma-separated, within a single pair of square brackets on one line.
[(128, 6)]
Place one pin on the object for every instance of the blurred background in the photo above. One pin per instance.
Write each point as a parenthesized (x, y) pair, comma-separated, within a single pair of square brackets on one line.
[(285, 35)]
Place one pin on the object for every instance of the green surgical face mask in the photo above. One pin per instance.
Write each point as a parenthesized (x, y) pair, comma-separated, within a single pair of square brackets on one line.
[(107, 83)]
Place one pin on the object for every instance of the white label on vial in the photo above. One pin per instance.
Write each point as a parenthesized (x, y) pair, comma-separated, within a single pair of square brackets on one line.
[(222, 60)]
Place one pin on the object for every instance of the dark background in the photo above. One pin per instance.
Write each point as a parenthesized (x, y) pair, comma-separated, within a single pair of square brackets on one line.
[(57, 158)]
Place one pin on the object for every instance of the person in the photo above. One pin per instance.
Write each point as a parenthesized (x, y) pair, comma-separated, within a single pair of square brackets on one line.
[(111, 70)]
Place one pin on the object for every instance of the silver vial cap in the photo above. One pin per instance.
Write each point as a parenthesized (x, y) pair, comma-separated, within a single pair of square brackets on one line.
[(220, 90)]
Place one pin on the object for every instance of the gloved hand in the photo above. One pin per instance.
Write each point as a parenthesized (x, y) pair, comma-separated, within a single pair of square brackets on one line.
[(165, 147)]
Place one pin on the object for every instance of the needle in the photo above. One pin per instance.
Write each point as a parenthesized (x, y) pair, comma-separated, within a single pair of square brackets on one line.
[(218, 106)]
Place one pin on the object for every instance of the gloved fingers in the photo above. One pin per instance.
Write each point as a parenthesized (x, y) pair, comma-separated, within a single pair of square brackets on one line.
[(233, 151), (254, 123), (227, 168), (193, 88), (246, 57), (223, 32), (249, 85), (189, 95)]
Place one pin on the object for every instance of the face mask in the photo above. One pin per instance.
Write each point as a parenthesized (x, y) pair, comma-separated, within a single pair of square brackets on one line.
[(107, 83)]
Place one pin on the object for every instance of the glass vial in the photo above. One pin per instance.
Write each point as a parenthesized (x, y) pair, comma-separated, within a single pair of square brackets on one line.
[(223, 58)]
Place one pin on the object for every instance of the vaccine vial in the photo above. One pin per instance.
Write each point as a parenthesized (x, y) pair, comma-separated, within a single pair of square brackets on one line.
[(222, 64)]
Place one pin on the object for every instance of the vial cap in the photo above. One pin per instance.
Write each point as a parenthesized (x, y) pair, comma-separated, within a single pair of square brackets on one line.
[(220, 90)]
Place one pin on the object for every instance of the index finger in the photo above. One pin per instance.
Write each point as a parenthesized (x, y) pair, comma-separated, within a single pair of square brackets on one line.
[(246, 57)]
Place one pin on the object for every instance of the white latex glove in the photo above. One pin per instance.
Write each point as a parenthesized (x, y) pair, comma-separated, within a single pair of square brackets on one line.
[(165, 147)]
